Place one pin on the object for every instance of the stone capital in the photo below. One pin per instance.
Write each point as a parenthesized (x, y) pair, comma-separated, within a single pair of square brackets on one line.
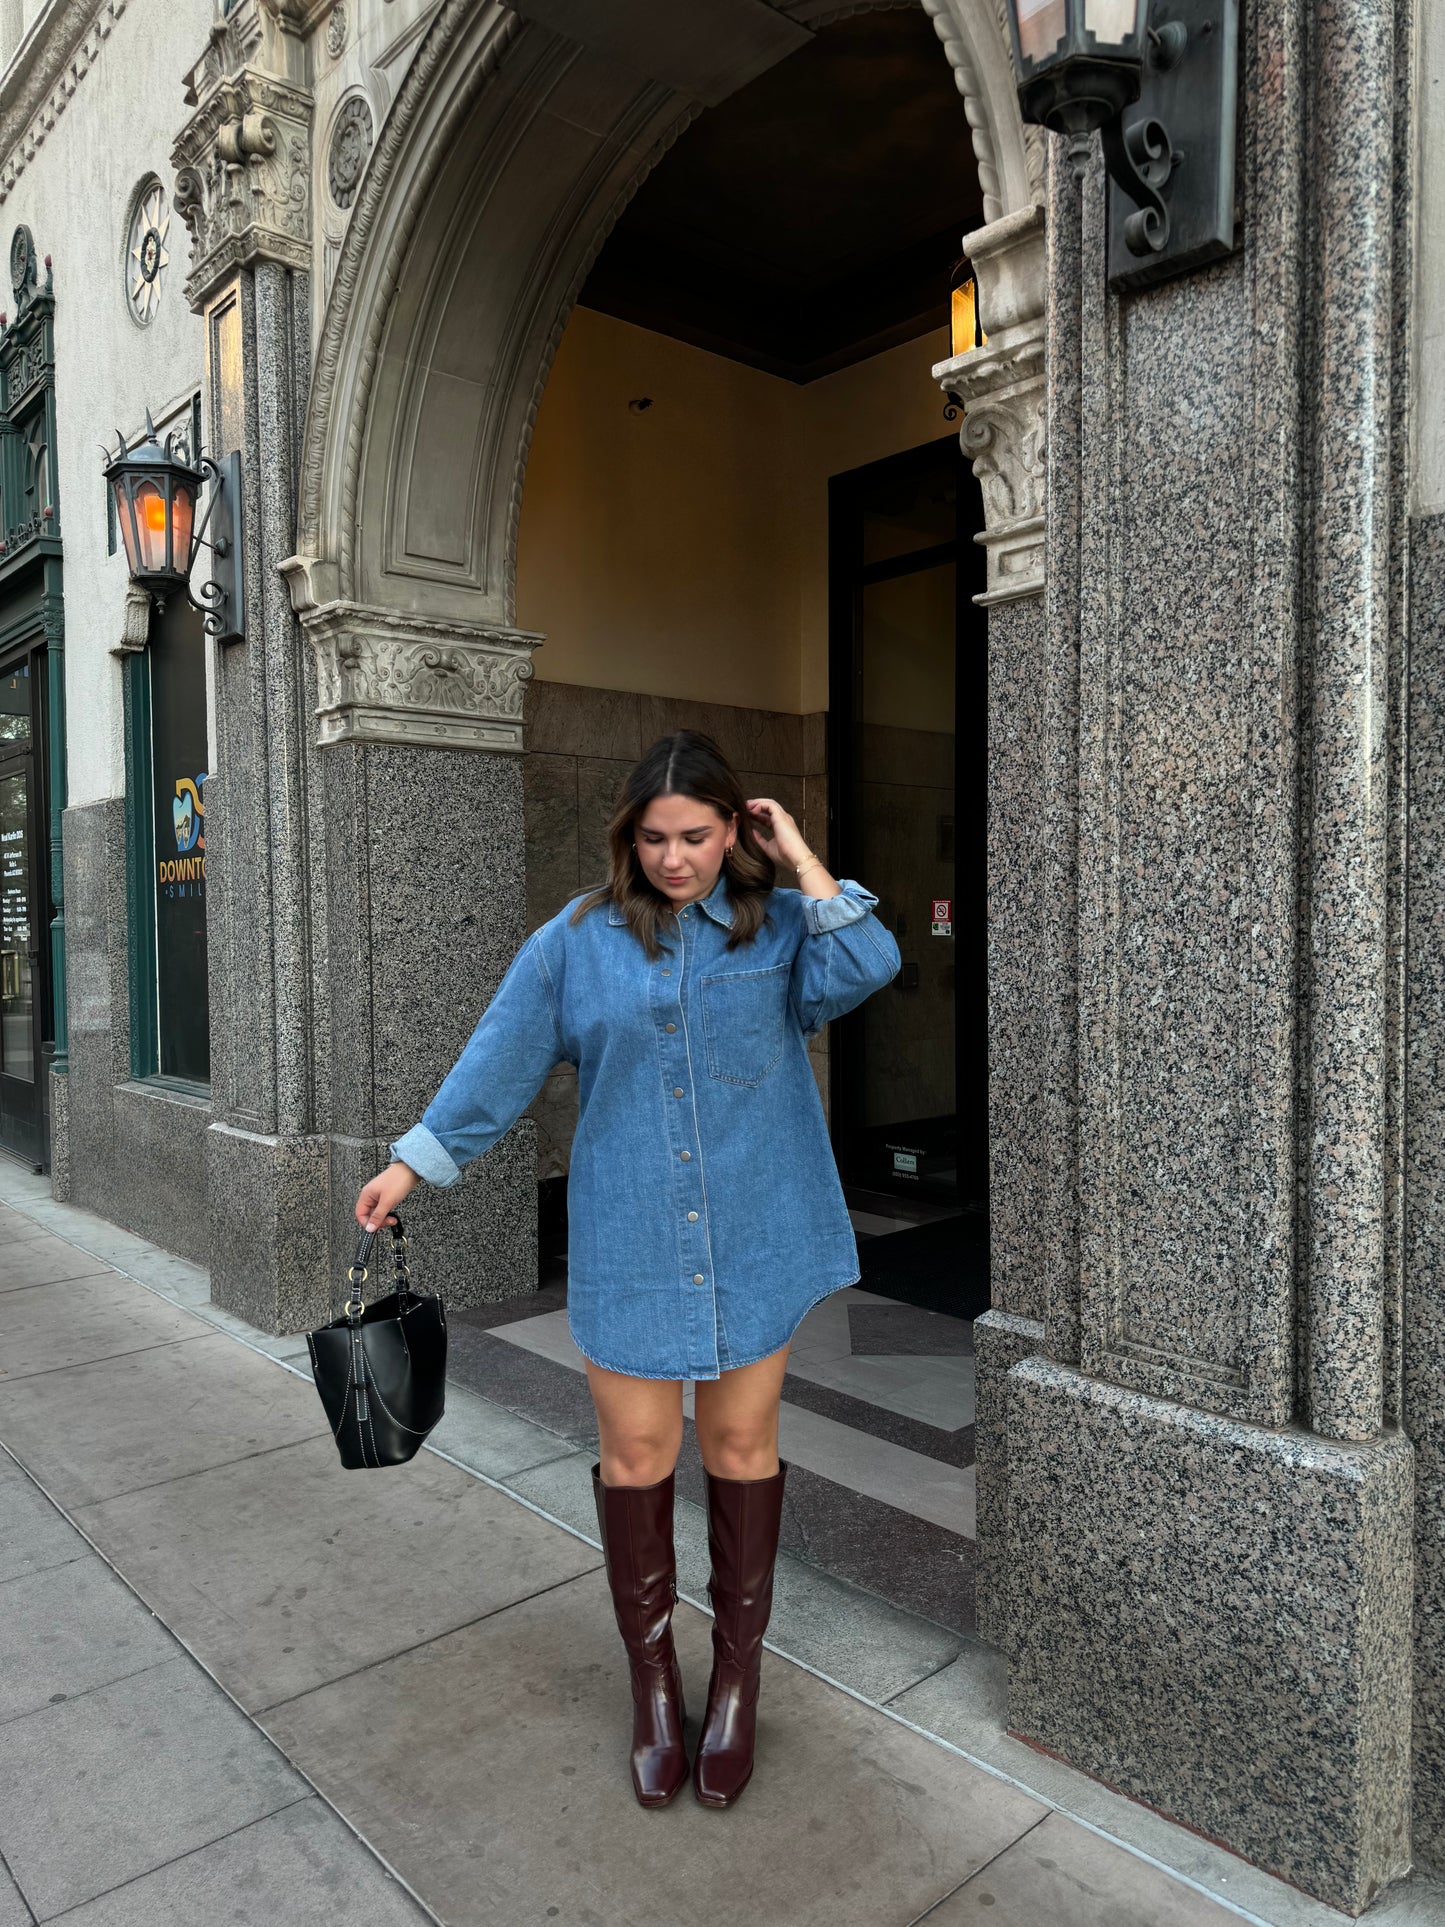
[(243, 159), (387, 677), (1000, 389)]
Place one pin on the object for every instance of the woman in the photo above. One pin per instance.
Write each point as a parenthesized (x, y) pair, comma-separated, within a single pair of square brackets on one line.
[(705, 1215)]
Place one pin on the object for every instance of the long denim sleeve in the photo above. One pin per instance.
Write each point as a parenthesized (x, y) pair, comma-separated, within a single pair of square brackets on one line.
[(501, 1069), (845, 956)]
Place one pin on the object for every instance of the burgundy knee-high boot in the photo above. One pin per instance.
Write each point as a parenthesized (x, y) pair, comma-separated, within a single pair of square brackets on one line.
[(635, 1522), (743, 1520)]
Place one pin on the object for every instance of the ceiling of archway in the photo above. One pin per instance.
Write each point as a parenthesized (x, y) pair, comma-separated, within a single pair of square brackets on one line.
[(813, 218)]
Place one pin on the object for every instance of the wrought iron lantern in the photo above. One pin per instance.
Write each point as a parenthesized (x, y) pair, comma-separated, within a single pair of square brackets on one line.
[(156, 490), (1081, 67), (1079, 62)]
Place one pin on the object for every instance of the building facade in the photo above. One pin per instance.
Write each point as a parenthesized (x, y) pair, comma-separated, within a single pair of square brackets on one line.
[(248, 882)]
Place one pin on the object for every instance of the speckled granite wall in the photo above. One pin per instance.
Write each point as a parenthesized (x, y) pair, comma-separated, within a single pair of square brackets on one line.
[(1015, 955), (1424, 1347), (136, 1153), (1233, 1644), (426, 910), (1207, 1605)]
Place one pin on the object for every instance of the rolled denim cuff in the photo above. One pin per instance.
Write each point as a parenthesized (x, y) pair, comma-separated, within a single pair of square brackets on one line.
[(427, 1156), (831, 913)]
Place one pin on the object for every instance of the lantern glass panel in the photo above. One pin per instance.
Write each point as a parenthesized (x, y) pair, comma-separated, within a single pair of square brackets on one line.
[(127, 527), (183, 516), (963, 317), (150, 516), (1116, 24), (1043, 26)]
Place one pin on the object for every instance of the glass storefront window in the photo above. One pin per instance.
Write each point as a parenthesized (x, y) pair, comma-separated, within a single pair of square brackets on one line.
[(17, 1022), (178, 770), (15, 689)]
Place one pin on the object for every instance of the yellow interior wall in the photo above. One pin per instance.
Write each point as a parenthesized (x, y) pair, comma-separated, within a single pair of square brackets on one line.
[(683, 551)]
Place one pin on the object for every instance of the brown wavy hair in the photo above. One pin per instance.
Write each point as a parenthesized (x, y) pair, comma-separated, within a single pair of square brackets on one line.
[(686, 763)]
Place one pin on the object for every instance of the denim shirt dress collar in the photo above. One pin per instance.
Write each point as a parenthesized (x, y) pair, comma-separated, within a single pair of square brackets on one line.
[(705, 1212)]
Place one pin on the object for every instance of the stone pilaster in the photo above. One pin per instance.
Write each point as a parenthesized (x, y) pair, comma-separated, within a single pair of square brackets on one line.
[(1218, 751), (243, 188), (1001, 390)]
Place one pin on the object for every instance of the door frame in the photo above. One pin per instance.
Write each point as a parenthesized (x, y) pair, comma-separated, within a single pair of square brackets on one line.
[(31, 759), (848, 577)]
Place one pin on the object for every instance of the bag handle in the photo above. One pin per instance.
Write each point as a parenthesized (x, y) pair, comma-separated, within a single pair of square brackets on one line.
[(358, 1272)]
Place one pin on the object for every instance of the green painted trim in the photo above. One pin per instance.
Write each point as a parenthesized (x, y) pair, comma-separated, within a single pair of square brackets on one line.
[(56, 789), (140, 866)]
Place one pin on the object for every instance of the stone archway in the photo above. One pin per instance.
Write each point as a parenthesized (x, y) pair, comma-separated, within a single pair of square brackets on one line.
[(449, 300), (383, 457)]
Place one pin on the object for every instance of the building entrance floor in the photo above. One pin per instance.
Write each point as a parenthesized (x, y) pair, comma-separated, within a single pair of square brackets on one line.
[(237, 1682)]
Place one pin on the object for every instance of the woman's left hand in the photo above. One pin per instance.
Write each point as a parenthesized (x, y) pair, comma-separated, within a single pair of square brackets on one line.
[(776, 831)]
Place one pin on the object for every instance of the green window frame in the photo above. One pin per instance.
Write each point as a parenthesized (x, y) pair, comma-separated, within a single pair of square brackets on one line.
[(143, 934)]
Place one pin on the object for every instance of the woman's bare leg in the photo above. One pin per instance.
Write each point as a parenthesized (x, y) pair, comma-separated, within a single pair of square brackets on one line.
[(639, 1425), (737, 1419)]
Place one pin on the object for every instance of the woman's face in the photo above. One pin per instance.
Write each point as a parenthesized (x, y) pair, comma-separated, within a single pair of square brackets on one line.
[(680, 845)]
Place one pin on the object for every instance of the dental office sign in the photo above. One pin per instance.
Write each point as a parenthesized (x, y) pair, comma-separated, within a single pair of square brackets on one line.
[(184, 874)]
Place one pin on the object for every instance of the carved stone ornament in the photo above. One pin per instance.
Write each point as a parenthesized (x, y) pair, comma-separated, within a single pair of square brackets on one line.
[(243, 178), (350, 145), (135, 625), (336, 30), (1000, 388), (383, 677)]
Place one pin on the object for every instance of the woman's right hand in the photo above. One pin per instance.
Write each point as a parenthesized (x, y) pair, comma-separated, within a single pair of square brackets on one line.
[(384, 1193)]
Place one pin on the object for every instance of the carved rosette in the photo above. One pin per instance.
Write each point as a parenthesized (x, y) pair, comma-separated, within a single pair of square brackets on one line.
[(243, 178), (383, 677)]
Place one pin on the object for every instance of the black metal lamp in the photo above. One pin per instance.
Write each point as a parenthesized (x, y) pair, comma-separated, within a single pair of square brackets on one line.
[(1081, 65), (156, 490)]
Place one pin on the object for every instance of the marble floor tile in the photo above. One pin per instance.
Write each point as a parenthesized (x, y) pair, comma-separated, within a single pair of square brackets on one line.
[(877, 1468)]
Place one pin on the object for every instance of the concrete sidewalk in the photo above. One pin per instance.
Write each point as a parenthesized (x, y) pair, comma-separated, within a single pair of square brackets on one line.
[(237, 1683)]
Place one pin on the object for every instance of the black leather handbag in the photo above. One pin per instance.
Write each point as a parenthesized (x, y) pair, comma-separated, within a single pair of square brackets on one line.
[(381, 1369)]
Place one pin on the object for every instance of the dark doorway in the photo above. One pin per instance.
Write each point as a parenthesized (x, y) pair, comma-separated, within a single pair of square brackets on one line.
[(24, 910), (908, 715)]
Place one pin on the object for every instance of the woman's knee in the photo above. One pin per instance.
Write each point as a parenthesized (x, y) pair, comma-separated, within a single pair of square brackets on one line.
[(631, 1457), (738, 1449)]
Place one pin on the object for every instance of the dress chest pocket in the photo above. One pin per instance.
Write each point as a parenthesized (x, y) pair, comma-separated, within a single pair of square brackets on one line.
[(744, 1018)]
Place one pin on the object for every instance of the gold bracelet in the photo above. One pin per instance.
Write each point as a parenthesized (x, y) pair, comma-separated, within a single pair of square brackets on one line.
[(808, 865)]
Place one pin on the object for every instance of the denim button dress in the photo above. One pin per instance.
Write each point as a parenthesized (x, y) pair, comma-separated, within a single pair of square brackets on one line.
[(705, 1214)]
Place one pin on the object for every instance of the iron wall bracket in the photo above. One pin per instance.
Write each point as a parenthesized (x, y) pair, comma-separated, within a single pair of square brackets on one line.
[(1171, 154)]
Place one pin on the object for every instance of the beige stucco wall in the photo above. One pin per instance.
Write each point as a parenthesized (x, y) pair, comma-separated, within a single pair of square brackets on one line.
[(683, 551)]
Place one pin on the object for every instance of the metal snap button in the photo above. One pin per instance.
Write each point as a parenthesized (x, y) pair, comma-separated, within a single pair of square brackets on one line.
[(697, 1277), (672, 1027), (684, 1155), (692, 1217), (667, 973), (677, 1090)]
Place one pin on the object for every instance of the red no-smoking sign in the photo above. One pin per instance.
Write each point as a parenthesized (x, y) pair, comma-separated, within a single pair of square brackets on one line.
[(943, 909)]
